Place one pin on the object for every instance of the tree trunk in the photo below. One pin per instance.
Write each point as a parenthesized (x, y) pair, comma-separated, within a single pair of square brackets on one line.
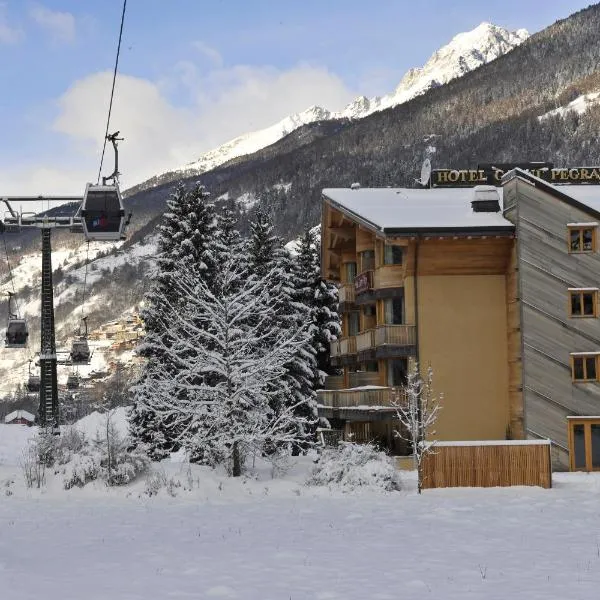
[(237, 462)]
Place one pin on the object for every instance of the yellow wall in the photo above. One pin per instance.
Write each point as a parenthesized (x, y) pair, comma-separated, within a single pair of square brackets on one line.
[(462, 335)]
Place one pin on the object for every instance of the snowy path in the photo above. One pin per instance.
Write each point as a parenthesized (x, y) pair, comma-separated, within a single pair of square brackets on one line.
[(274, 544)]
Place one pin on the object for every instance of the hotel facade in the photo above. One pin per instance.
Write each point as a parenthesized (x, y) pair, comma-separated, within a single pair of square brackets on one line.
[(493, 286)]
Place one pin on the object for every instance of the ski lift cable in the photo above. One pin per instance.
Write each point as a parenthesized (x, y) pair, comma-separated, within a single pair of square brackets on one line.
[(87, 261), (112, 92)]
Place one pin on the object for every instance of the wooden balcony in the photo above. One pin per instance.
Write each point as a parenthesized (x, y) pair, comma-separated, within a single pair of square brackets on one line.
[(334, 349), (368, 397), (361, 378), (389, 276), (363, 282), (346, 293), (396, 335), (333, 382), (353, 398), (365, 340), (348, 345)]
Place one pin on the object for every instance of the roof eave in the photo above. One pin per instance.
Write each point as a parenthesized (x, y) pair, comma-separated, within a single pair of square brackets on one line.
[(503, 230), (552, 190)]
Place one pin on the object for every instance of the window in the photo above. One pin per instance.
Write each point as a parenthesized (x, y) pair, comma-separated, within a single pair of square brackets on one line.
[(353, 323), (583, 302), (393, 255), (396, 371), (584, 443), (372, 367), (584, 367), (394, 311), (582, 238), (369, 310), (367, 260), (350, 272)]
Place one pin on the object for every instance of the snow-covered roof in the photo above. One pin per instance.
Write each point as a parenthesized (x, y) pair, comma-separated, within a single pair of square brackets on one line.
[(390, 209), (434, 209), (19, 414)]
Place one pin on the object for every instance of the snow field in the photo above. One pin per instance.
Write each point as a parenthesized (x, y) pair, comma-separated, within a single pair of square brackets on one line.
[(275, 539), (205, 535)]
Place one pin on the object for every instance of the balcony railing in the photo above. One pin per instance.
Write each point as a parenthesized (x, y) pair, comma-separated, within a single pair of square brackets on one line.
[(396, 335), (346, 293), (348, 345), (334, 382), (385, 397), (334, 348), (389, 276), (360, 378), (365, 340), (363, 282)]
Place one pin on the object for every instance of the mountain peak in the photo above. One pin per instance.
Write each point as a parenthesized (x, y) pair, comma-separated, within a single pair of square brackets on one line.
[(465, 52)]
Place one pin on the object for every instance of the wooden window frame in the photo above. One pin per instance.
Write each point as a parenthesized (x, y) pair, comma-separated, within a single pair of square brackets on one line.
[(581, 293), (581, 229), (583, 356), (587, 423)]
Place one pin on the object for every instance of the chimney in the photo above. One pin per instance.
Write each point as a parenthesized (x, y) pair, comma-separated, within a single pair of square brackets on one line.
[(485, 199)]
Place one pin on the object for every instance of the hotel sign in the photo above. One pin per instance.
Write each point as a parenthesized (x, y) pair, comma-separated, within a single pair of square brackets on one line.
[(492, 174)]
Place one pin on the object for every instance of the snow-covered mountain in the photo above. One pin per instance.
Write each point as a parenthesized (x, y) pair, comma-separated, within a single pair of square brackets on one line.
[(464, 53)]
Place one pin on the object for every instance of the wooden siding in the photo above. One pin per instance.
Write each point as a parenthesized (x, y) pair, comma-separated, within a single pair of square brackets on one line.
[(515, 363), (477, 256), (389, 276), (549, 335), (488, 466)]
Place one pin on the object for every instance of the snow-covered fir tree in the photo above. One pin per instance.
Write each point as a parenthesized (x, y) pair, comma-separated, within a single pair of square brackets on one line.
[(322, 300), (230, 364), (267, 254), (185, 245)]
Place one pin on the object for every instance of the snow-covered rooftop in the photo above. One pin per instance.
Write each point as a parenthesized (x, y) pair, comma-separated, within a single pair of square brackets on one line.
[(390, 209), (19, 414), (403, 208)]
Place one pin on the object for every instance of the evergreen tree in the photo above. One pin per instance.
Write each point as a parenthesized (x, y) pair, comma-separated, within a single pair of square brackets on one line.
[(322, 299), (266, 254), (227, 373), (185, 245)]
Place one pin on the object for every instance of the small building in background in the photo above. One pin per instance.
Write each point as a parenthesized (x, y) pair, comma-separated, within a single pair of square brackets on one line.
[(19, 417)]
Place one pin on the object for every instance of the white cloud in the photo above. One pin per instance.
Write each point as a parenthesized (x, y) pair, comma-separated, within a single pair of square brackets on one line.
[(160, 135), (208, 52), (8, 33), (60, 25)]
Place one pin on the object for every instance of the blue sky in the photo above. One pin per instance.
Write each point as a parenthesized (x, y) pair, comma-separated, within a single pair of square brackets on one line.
[(195, 74)]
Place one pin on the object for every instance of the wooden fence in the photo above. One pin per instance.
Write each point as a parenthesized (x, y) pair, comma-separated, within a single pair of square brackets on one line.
[(488, 464)]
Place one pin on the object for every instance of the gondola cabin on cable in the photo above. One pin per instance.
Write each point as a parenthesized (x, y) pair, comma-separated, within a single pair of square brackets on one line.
[(16, 328), (33, 381), (102, 213), (72, 381), (80, 352)]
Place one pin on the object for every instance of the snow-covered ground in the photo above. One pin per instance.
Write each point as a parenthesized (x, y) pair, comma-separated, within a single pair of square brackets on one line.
[(263, 538)]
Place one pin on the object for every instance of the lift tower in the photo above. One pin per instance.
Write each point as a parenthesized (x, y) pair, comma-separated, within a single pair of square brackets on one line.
[(14, 222)]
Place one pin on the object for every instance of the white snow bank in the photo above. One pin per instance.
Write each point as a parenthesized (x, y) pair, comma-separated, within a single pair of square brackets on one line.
[(353, 466), (13, 441), (95, 423)]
